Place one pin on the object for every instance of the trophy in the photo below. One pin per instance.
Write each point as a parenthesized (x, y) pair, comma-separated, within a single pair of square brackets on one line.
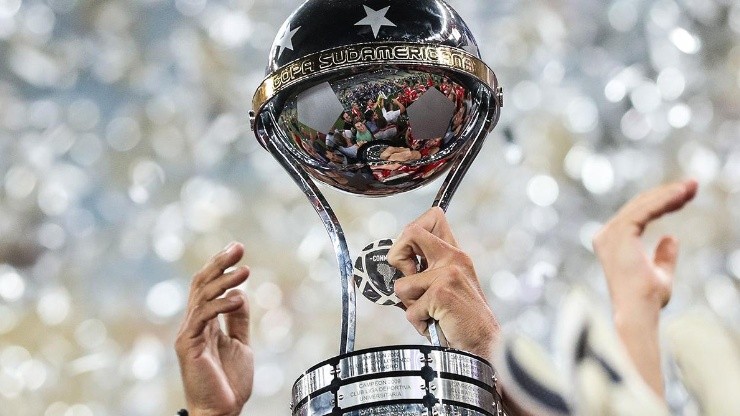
[(375, 98)]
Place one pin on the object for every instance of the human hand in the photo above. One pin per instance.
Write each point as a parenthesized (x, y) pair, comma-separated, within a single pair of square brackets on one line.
[(447, 289), (640, 283), (217, 367), (635, 277)]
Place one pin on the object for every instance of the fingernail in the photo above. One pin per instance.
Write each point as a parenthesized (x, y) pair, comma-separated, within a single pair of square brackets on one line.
[(229, 248)]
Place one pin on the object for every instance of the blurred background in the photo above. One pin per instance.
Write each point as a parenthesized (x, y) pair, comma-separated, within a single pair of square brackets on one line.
[(126, 161)]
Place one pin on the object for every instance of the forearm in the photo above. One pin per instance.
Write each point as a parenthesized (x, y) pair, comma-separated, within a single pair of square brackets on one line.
[(638, 329)]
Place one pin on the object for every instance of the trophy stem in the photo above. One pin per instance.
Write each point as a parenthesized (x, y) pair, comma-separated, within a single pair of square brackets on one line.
[(462, 164), (339, 242), (449, 187)]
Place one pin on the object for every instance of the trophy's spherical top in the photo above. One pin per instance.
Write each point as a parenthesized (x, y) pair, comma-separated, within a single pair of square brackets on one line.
[(374, 97)]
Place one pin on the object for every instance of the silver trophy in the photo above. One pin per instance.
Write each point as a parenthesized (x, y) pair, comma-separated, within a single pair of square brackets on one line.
[(375, 98)]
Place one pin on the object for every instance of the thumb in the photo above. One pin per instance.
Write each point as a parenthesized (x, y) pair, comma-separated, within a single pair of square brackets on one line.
[(237, 321), (666, 254)]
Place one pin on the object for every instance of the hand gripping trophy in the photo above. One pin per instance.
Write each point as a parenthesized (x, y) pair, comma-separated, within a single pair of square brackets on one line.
[(378, 97)]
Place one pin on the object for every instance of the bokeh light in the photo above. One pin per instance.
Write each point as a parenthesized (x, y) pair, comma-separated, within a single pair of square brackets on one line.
[(126, 161)]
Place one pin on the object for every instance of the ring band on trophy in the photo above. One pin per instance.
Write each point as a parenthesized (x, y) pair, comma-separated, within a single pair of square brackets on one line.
[(366, 55), (421, 377)]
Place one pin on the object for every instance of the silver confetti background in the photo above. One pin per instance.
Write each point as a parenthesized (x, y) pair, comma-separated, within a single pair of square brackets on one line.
[(126, 161)]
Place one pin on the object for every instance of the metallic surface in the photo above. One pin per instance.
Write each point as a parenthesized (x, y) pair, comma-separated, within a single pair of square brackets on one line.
[(381, 361), (312, 381), (317, 26), (334, 229), (418, 379), (424, 47), (466, 393), (377, 390), (395, 159), (126, 163), (451, 362), (439, 122), (367, 56)]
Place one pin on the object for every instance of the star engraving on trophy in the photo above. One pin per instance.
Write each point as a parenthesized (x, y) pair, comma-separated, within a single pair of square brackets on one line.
[(286, 41), (375, 19)]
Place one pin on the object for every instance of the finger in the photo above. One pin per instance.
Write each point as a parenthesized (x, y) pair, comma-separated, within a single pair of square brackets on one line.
[(418, 317), (418, 241), (237, 321), (200, 316), (435, 221), (692, 187), (220, 285), (658, 201), (441, 290), (410, 288), (655, 203), (666, 254), (215, 267), (403, 257)]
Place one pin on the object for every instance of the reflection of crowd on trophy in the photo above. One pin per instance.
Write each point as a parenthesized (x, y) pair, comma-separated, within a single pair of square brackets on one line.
[(377, 114)]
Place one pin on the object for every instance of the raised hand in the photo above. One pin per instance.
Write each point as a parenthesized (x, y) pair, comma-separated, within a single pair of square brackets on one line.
[(217, 367), (447, 289), (640, 283)]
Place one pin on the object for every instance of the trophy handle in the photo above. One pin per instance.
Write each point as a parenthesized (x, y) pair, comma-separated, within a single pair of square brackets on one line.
[(461, 165), (334, 229), (491, 112), (452, 182)]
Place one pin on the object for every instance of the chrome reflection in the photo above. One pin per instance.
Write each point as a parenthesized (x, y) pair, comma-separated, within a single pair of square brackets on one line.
[(378, 133)]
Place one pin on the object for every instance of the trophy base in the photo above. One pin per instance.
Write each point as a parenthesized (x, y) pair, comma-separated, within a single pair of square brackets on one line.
[(411, 380)]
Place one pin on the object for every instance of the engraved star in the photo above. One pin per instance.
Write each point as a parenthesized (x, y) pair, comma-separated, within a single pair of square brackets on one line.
[(375, 19), (286, 41)]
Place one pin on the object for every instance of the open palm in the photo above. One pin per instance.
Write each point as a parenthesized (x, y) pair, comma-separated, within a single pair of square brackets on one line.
[(633, 274), (640, 283), (217, 365)]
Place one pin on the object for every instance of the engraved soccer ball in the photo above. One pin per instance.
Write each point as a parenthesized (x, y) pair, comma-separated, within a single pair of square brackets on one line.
[(374, 277), (374, 97)]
